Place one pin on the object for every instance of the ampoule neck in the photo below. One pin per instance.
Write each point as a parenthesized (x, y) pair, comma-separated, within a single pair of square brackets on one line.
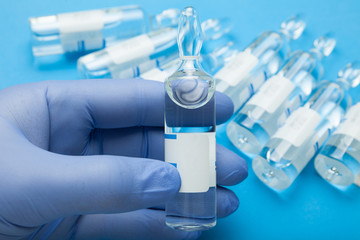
[(344, 83), (284, 35), (189, 58), (190, 63), (292, 28), (316, 54)]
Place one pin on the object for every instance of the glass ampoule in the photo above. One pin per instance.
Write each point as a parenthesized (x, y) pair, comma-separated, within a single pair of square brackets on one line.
[(280, 95), (161, 65), (190, 143), (94, 29), (210, 63), (125, 54), (111, 61), (244, 75), (339, 160), (290, 149)]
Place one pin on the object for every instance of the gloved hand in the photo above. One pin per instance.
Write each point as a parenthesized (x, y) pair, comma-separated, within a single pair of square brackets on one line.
[(82, 160)]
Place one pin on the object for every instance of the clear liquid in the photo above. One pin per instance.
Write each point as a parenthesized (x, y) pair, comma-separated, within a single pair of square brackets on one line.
[(254, 125), (339, 160), (271, 50), (190, 108), (280, 162)]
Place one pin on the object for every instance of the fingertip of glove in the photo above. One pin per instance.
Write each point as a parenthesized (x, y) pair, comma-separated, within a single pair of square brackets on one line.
[(224, 108), (229, 202), (240, 170), (171, 177), (234, 203), (233, 168)]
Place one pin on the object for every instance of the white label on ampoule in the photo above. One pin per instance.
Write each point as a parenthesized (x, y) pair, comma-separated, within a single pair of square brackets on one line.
[(273, 93), (299, 126), (238, 68), (351, 124), (81, 31), (193, 154), (131, 49), (155, 74)]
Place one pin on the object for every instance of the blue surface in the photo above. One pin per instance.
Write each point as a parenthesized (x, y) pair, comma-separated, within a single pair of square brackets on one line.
[(311, 208)]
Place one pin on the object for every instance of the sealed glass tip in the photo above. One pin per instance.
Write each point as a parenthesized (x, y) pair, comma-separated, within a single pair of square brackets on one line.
[(190, 34), (325, 45), (350, 74), (293, 27)]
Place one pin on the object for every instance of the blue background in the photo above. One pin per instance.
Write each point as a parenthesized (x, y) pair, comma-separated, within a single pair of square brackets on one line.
[(310, 208)]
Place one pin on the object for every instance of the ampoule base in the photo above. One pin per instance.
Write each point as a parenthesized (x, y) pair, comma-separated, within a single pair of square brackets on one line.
[(192, 211), (190, 224), (243, 139), (333, 171), (275, 178)]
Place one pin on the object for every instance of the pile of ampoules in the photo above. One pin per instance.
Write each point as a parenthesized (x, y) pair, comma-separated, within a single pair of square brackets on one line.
[(284, 114)]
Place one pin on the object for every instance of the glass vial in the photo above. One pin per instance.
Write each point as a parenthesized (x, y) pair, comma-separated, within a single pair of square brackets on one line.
[(280, 95), (290, 149), (244, 75), (190, 132), (94, 29), (339, 160)]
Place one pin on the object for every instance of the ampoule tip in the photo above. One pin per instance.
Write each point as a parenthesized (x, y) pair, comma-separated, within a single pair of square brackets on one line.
[(293, 27), (190, 34)]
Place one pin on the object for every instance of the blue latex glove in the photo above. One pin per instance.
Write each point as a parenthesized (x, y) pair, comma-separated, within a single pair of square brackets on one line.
[(82, 160)]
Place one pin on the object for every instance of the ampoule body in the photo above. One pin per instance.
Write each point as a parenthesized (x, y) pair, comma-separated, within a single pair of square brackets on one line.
[(94, 29), (190, 143), (293, 145), (339, 160), (280, 95), (243, 76)]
